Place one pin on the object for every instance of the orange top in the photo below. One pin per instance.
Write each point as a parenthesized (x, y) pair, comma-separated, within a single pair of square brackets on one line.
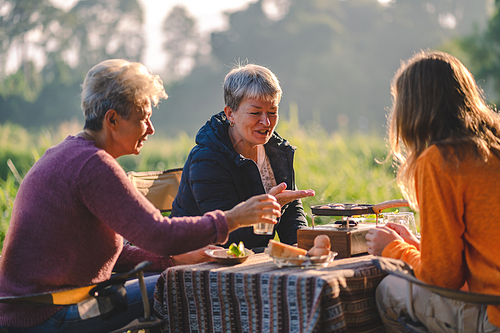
[(459, 225)]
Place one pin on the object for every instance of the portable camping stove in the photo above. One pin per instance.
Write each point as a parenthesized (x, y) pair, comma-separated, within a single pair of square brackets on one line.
[(347, 236)]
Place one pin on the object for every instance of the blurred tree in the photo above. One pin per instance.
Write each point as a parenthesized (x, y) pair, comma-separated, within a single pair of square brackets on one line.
[(103, 29), (26, 32), (182, 42), (56, 49), (481, 50), (334, 59), (24, 25)]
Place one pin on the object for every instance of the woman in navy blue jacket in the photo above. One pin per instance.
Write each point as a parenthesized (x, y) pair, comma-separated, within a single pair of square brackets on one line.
[(238, 155)]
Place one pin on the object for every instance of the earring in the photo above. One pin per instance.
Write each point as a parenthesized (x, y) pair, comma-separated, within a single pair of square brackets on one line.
[(231, 124)]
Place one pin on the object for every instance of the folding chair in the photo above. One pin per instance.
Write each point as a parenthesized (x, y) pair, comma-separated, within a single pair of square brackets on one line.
[(159, 187), (106, 298), (404, 271)]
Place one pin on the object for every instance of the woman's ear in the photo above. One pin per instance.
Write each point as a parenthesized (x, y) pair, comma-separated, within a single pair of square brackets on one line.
[(110, 119), (229, 114)]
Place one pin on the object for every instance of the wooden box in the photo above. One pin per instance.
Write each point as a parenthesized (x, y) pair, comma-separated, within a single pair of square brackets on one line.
[(346, 241)]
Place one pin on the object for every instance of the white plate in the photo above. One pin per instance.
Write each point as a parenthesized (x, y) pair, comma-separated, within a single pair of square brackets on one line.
[(221, 256), (305, 261)]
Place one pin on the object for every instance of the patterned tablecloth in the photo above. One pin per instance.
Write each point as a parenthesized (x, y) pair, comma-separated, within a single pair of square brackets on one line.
[(256, 296)]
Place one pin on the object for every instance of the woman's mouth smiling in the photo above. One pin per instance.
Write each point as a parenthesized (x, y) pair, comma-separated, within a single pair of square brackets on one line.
[(263, 131)]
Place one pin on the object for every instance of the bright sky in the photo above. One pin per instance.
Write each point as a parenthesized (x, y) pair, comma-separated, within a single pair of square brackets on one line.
[(208, 13)]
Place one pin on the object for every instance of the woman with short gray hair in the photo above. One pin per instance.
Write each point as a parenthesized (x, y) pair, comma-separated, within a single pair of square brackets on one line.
[(238, 154)]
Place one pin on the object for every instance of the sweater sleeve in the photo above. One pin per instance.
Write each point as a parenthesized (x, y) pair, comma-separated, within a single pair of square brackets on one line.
[(441, 260), (441, 223), (106, 191), (401, 250), (132, 255)]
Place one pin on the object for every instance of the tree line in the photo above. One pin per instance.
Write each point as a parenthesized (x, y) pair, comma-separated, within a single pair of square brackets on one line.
[(334, 59)]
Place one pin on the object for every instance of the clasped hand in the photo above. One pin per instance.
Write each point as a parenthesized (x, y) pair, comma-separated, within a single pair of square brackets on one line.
[(379, 237)]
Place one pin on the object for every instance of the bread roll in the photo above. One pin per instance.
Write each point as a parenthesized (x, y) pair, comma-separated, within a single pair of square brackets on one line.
[(280, 250)]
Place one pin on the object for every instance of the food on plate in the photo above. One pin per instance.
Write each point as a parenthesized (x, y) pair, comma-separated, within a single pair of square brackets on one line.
[(236, 250), (281, 250), (287, 255), (321, 246)]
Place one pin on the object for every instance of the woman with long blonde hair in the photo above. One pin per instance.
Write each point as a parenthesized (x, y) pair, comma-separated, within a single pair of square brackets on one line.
[(445, 142)]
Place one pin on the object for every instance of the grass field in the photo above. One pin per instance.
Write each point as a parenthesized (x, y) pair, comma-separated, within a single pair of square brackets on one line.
[(340, 167)]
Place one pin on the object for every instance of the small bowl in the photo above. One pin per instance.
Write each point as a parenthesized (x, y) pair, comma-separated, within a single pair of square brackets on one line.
[(221, 256), (305, 261)]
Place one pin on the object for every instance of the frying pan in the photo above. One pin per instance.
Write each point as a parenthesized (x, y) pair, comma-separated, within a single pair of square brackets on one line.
[(356, 209)]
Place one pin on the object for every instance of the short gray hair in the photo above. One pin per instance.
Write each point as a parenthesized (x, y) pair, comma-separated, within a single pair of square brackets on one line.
[(119, 85), (250, 81)]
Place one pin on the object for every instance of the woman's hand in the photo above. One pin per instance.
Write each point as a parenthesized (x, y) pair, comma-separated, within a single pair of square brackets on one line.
[(285, 196), (194, 257), (378, 238), (405, 233), (259, 208)]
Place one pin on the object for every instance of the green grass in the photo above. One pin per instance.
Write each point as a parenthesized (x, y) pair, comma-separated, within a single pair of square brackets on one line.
[(340, 167), (8, 191)]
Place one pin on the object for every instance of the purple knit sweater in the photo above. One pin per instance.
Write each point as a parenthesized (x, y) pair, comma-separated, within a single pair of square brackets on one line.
[(69, 216)]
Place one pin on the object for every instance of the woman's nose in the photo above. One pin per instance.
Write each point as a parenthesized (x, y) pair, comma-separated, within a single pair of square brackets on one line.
[(264, 120), (151, 128)]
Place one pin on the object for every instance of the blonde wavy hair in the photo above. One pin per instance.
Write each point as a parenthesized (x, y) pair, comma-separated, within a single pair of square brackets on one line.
[(436, 101), (119, 85)]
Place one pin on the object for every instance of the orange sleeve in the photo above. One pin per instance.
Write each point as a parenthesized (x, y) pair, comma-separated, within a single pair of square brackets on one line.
[(440, 260), (401, 250)]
